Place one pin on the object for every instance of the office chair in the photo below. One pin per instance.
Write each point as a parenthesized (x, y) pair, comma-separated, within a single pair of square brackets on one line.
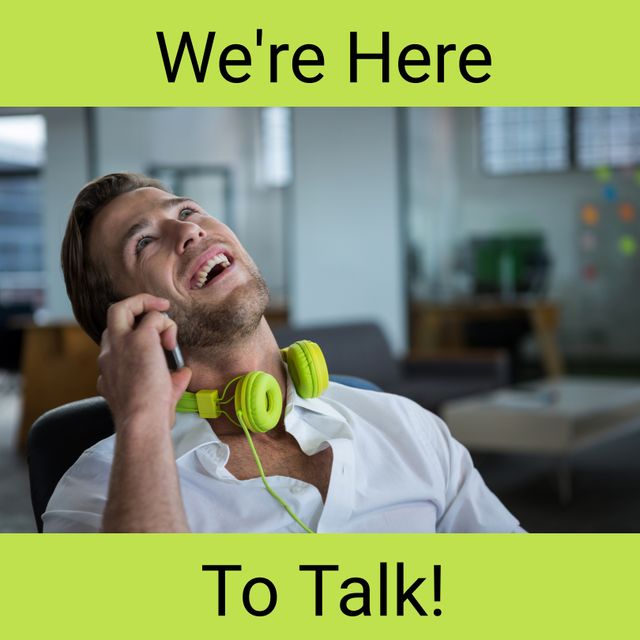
[(58, 438)]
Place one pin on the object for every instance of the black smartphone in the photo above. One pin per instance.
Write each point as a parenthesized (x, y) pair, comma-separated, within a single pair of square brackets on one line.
[(174, 357)]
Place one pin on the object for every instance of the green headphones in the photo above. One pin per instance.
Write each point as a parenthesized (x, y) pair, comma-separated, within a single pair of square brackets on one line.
[(257, 397)]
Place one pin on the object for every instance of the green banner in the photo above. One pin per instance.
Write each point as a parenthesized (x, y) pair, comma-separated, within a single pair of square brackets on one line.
[(331, 586), (331, 53)]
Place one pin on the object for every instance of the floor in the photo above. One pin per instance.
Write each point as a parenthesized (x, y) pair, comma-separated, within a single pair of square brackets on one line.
[(605, 484), (605, 481)]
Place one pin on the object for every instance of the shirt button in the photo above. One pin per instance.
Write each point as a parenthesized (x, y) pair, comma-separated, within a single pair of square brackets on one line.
[(298, 487)]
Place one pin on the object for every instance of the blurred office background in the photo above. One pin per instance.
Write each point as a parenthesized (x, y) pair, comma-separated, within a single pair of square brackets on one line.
[(473, 249)]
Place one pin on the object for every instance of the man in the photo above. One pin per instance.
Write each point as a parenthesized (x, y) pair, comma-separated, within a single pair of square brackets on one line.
[(351, 460)]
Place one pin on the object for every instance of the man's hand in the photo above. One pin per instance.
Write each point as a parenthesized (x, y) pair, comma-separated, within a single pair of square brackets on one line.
[(144, 490), (134, 376)]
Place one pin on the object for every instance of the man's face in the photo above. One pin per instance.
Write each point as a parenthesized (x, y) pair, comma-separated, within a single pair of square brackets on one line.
[(154, 242)]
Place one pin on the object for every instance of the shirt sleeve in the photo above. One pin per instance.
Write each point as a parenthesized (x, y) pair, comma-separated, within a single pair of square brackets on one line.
[(469, 505), (77, 504)]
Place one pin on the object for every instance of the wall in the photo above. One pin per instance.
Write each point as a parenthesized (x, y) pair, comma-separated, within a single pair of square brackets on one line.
[(65, 172), (345, 242)]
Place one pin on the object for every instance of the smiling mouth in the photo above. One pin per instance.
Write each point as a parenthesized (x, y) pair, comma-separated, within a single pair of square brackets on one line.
[(210, 270)]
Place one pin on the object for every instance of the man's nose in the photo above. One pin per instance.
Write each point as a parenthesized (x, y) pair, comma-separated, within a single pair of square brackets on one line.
[(185, 233)]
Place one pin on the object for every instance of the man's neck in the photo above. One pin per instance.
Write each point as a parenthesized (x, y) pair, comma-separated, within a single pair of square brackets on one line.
[(259, 351)]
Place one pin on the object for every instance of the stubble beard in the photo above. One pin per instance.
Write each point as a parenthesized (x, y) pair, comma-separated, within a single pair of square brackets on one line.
[(206, 327)]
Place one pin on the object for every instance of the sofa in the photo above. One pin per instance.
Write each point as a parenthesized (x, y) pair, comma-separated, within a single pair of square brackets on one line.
[(362, 350)]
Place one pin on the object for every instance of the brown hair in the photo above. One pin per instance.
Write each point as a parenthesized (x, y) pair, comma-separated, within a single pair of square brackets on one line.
[(89, 286)]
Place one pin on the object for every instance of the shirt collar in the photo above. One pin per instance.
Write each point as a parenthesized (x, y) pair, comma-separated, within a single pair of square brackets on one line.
[(190, 432), (319, 405)]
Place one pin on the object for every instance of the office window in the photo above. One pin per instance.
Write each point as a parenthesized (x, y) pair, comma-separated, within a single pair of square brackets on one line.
[(607, 137), (524, 139), (22, 153), (22, 142), (275, 147), (542, 139)]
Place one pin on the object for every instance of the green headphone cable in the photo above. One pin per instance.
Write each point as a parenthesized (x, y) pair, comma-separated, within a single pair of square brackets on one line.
[(256, 457), (266, 484)]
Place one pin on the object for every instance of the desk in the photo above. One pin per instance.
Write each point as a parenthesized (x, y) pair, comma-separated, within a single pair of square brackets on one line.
[(437, 326), (59, 365)]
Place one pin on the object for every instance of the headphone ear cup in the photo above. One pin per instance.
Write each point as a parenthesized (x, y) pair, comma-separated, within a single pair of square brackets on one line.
[(308, 368), (258, 401)]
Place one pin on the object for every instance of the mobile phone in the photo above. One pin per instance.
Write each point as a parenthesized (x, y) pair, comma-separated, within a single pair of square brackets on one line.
[(174, 357)]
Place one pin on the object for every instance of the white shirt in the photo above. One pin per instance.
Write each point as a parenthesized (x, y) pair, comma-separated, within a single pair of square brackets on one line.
[(396, 468)]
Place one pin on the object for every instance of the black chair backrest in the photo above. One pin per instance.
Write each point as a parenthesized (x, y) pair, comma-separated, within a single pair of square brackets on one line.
[(60, 436), (57, 439)]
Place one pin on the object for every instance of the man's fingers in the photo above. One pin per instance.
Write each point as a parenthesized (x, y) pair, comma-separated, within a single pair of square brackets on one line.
[(169, 337), (180, 380), (159, 323), (121, 316)]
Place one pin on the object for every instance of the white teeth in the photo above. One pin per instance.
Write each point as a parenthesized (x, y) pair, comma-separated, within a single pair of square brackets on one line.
[(202, 275)]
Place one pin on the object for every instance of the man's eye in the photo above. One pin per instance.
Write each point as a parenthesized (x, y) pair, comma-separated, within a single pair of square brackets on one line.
[(142, 243), (185, 213)]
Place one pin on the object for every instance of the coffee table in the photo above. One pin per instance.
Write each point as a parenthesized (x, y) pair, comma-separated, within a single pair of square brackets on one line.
[(555, 417)]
